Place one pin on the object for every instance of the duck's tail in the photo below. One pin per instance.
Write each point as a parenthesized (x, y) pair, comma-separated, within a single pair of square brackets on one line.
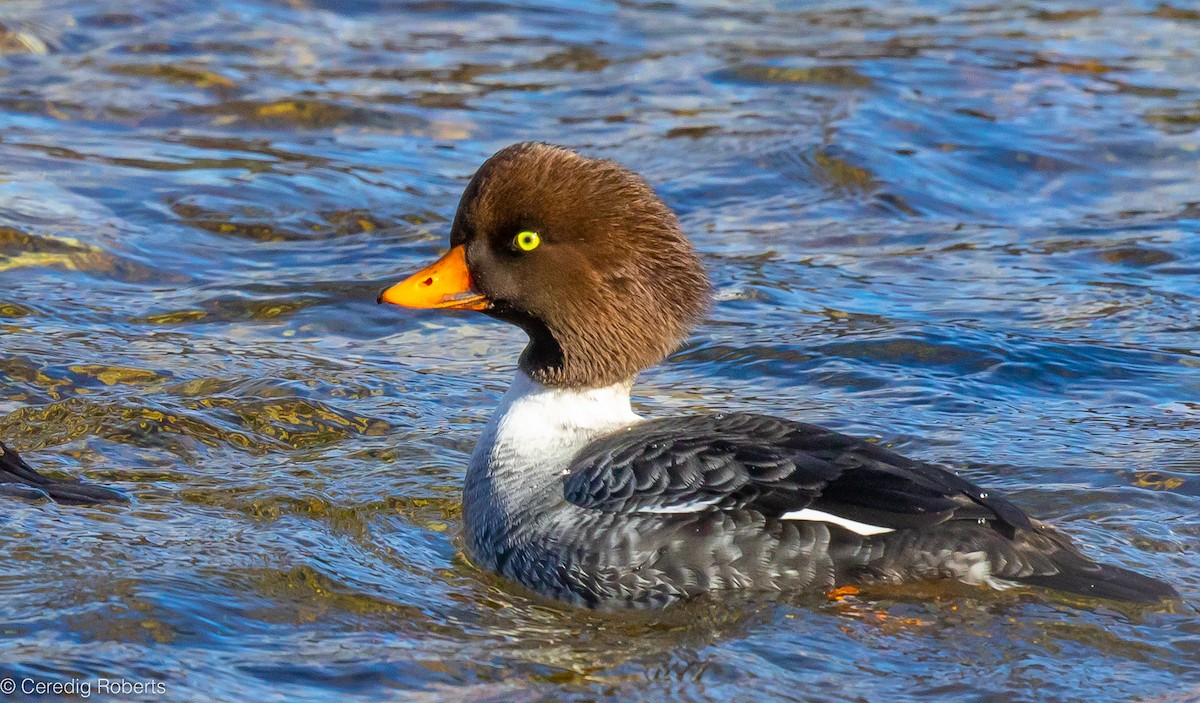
[(1063, 568), (16, 476), (978, 553)]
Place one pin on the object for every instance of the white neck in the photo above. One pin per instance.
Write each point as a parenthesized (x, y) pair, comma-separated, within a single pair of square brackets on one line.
[(536, 430)]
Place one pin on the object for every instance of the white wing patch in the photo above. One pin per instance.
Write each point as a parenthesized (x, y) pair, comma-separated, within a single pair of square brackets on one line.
[(692, 507), (861, 528)]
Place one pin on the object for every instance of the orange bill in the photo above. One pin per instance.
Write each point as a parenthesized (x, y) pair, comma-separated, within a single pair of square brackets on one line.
[(445, 284)]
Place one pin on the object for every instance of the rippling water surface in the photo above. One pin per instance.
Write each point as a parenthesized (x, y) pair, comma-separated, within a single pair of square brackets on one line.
[(969, 229)]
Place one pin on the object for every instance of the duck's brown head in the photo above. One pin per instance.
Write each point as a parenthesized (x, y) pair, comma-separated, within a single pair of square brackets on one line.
[(578, 252)]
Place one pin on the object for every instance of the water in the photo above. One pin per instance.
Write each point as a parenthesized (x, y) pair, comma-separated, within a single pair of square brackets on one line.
[(969, 229)]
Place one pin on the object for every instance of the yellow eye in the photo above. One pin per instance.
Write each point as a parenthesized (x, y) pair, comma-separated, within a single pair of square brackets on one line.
[(527, 241)]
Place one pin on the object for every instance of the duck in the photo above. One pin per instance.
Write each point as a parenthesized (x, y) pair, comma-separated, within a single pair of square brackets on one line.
[(17, 477), (572, 495)]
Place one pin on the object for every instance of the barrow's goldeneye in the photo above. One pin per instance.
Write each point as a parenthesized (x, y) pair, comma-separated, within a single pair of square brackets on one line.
[(576, 497)]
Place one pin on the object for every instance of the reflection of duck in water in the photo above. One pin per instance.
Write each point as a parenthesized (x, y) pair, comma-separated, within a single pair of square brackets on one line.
[(574, 496), (17, 477)]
